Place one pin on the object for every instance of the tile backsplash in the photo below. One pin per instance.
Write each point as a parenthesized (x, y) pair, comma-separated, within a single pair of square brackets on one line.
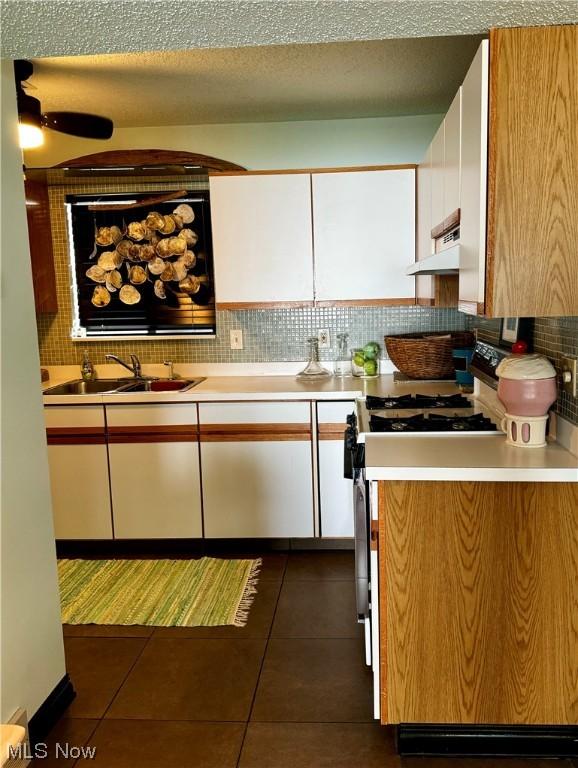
[(269, 335), (552, 337)]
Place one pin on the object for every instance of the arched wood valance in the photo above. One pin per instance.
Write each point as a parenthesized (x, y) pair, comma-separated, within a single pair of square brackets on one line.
[(145, 157)]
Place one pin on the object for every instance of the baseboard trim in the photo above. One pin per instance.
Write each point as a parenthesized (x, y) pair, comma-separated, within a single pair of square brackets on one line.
[(192, 547), (488, 740), (51, 710)]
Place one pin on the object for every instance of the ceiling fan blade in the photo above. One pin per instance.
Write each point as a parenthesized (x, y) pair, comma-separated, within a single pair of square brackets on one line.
[(79, 124)]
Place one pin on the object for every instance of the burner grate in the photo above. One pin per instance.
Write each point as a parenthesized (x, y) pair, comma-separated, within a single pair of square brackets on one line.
[(433, 422), (400, 402)]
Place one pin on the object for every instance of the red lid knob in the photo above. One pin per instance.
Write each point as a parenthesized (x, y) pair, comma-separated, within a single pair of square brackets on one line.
[(519, 347)]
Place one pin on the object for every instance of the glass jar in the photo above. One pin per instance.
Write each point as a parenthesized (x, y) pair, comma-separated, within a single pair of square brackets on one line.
[(343, 361), (362, 367)]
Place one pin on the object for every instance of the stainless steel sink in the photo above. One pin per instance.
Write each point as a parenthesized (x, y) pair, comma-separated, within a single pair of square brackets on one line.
[(80, 387), (122, 386), (162, 385)]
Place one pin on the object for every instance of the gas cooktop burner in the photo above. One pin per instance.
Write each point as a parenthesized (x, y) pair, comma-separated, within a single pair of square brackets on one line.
[(433, 422), (416, 401)]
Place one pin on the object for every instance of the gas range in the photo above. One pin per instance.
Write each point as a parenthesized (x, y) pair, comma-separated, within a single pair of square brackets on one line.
[(422, 413)]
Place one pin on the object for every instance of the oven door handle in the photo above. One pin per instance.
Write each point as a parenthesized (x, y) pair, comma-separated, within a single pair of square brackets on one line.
[(361, 545)]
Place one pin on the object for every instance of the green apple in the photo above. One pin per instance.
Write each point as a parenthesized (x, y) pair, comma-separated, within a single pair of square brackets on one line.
[(370, 367), (359, 358)]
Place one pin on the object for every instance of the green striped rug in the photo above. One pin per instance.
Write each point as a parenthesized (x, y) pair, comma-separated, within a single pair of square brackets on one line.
[(161, 593)]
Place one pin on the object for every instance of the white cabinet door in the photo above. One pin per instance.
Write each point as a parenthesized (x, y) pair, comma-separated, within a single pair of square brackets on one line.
[(257, 469), (437, 177), (424, 288), (156, 490), (257, 489), (154, 471), (474, 182), (335, 492), (452, 155), (364, 234), (262, 240), (80, 492)]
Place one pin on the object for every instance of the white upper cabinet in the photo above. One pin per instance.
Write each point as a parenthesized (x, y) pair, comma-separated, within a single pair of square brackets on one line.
[(437, 205), (452, 156), (364, 234), (474, 182), (424, 283), (262, 239)]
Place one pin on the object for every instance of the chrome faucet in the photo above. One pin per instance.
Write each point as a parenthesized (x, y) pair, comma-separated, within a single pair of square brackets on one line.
[(135, 368)]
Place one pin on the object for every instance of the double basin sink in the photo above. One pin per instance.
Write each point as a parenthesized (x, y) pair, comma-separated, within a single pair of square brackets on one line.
[(121, 386)]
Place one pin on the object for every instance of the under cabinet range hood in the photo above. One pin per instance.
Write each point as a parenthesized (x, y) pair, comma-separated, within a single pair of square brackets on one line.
[(445, 258), (443, 263)]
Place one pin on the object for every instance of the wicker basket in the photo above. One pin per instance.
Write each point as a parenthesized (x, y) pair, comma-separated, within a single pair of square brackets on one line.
[(427, 356)]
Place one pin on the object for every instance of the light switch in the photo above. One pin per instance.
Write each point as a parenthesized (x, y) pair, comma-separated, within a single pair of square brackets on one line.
[(237, 339), (569, 365)]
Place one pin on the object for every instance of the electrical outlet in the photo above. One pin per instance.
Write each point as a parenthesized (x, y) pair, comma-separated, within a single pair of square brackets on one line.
[(569, 383), (237, 339), (324, 339)]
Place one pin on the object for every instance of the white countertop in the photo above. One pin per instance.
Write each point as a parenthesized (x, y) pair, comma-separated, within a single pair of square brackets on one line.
[(388, 457), (465, 457)]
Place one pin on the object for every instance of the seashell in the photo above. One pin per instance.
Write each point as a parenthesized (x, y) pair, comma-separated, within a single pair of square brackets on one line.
[(148, 232), (179, 269), (168, 272), (115, 233), (129, 295), (178, 220), (109, 260), (159, 289), (191, 238), (137, 275), (169, 225), (154, 238), (123, 247), (189, 259), (147, 252), (100, 296), (156, 266), (176, 245), (96, 273), (113, 280), (190, 284), (134, 252), (104, 236), (163, 248), (155, 220), (136, 231), (185, 212)]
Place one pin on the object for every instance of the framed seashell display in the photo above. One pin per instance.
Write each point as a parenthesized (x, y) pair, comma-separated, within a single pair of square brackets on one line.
[(135, 269)]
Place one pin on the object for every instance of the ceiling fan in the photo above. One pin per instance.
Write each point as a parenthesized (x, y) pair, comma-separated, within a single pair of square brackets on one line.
[(31, 119)]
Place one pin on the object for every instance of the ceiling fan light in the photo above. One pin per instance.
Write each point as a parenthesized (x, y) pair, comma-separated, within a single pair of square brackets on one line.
[(29, 135)]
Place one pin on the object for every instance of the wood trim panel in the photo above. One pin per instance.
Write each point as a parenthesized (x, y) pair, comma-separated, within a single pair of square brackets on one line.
[(230, 433), (449, 223), (423, 302), (239, 305), (139, 157), (478, 602), (532, 232), (446, 290), (368, 302), (471, 307), (140, 204), (76, 435), (167, 433), (331, 431), (289, 171), (41, 250)]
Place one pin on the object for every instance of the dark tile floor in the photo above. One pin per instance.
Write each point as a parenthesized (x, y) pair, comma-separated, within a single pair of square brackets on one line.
[(289, 690)]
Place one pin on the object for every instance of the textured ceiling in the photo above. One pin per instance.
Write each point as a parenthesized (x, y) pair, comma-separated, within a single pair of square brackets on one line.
[(257, 84), (70, 27)]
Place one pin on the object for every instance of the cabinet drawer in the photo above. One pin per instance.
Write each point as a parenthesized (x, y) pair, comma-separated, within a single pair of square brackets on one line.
[(145, 415), (74, 416), (255, 413)]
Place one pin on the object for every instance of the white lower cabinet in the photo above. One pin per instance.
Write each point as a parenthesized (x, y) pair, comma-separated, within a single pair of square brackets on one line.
[(257, 470), (154, 471), (80, 492), (78, 466), (335, 492)]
